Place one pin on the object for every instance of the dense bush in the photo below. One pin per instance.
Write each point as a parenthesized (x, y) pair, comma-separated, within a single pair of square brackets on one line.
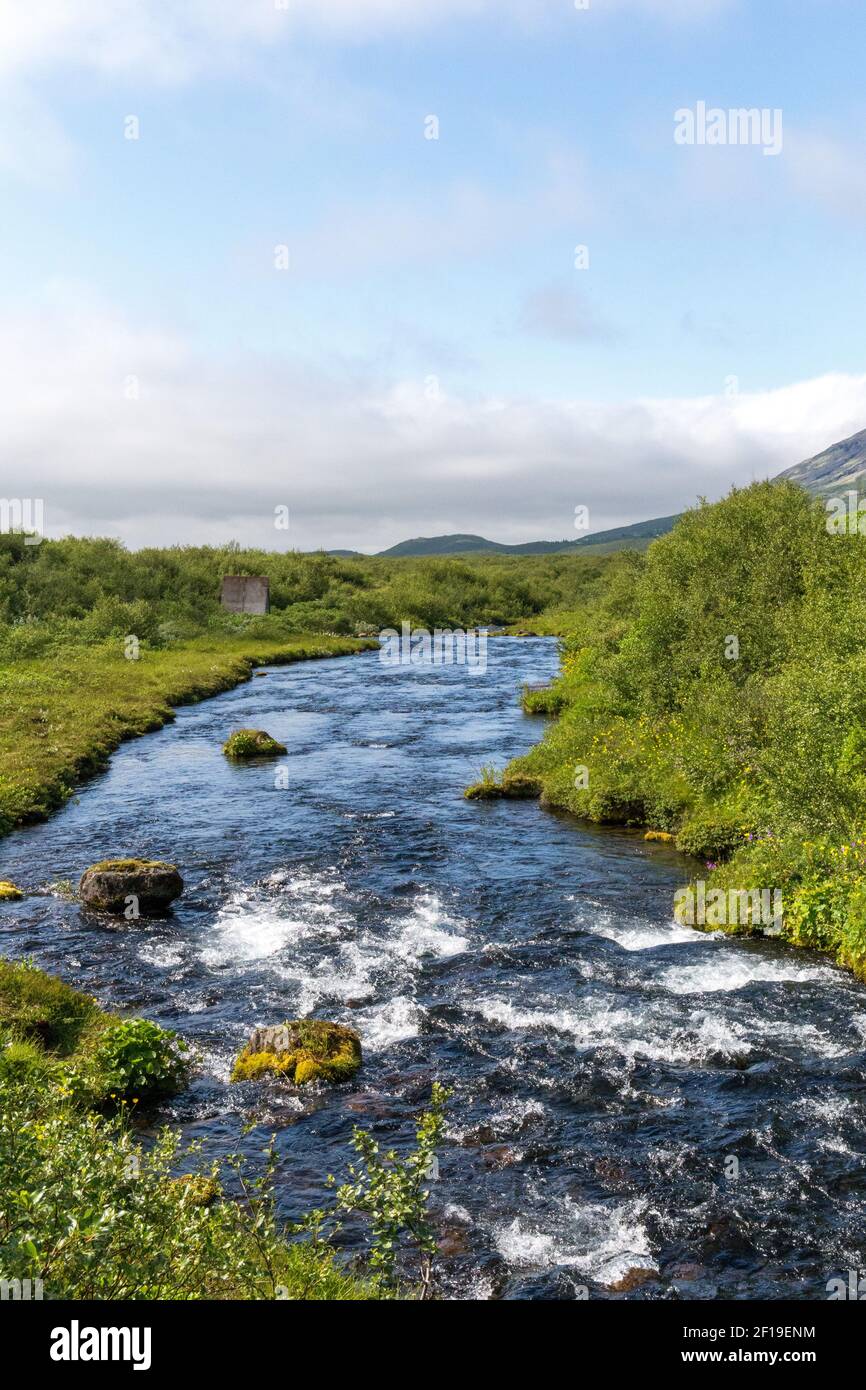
[(716, 688), (84, 591)]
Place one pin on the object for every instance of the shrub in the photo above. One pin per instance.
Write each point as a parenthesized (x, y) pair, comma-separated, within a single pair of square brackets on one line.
[(94, 1215), (136, 1058)]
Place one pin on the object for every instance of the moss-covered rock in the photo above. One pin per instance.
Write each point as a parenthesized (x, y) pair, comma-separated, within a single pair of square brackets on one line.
[(303, 1050), (110, 885), (252, 743), (9, 893)]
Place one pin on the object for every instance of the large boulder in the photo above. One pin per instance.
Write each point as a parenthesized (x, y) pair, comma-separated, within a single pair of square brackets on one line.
[(150, 883), (252, 743), (303, 1050)]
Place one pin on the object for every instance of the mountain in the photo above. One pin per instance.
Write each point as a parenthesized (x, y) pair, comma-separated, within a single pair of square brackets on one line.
[(615, 539), (837, 469), (466, 545)]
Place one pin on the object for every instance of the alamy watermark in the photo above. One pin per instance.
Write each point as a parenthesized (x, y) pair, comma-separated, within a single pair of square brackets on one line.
[(20, 1290), (721, 907), (852, 1288), (23, 516), (846, 515), (741, 125), (441, 647)]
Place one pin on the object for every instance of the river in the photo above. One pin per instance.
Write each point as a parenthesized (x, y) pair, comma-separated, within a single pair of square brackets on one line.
[(628, 1094)]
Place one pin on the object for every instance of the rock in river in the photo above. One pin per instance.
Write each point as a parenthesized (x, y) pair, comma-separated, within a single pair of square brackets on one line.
[(252, 743), (110, 885), (305, 1049)]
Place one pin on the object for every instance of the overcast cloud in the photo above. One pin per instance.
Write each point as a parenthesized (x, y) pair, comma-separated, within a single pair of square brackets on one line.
[(208, 450)]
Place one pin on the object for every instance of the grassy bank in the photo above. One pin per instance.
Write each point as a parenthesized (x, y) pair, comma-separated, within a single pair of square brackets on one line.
[(93, 1212), (65, 712), (715, 690)]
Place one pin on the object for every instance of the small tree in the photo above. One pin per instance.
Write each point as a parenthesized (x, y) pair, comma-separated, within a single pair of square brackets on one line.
[(391, 1191)]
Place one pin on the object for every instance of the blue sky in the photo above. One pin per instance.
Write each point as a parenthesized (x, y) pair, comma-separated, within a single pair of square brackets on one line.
[(431, 360)]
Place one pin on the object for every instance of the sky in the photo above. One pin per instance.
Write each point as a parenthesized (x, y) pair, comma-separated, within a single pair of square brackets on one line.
[(410, 267)]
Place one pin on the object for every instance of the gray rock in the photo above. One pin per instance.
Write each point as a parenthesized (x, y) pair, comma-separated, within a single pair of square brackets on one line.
[(118, 885)]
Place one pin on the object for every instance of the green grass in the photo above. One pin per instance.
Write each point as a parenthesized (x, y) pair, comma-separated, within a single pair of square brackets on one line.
[(45, 1011), (62, 716)]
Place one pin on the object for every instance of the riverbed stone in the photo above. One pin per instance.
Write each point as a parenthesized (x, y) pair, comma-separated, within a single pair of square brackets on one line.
[(109, 885), (252, 743), (302, 1050)]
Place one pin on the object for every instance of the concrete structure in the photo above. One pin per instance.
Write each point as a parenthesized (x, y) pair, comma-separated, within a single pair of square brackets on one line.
[(246, 593)]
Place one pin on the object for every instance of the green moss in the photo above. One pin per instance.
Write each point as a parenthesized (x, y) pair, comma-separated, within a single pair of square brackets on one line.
[(128, 865), (314, 1050), (483, 791), (520, 787), (21, 1059), (252, 743), (9, 893)]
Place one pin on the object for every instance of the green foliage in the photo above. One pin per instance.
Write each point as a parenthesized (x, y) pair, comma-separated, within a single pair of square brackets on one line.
[(487, 785), (392, 1192), (45, 1010), (95, 1215), (84, 591), (752, 752), (138, 1059)]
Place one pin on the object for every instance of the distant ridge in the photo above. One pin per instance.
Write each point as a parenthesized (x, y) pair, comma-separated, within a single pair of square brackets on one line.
[(639, 534), (467, 544)]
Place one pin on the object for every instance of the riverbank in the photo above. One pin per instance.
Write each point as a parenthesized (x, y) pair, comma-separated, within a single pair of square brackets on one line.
[(64, 714), (714, 694)]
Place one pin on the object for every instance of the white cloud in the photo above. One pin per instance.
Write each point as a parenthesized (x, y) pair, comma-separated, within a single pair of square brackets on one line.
[(171, 40), (209, 450)]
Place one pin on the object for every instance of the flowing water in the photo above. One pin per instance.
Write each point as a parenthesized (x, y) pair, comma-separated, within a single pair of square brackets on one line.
[(628, 1094)]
